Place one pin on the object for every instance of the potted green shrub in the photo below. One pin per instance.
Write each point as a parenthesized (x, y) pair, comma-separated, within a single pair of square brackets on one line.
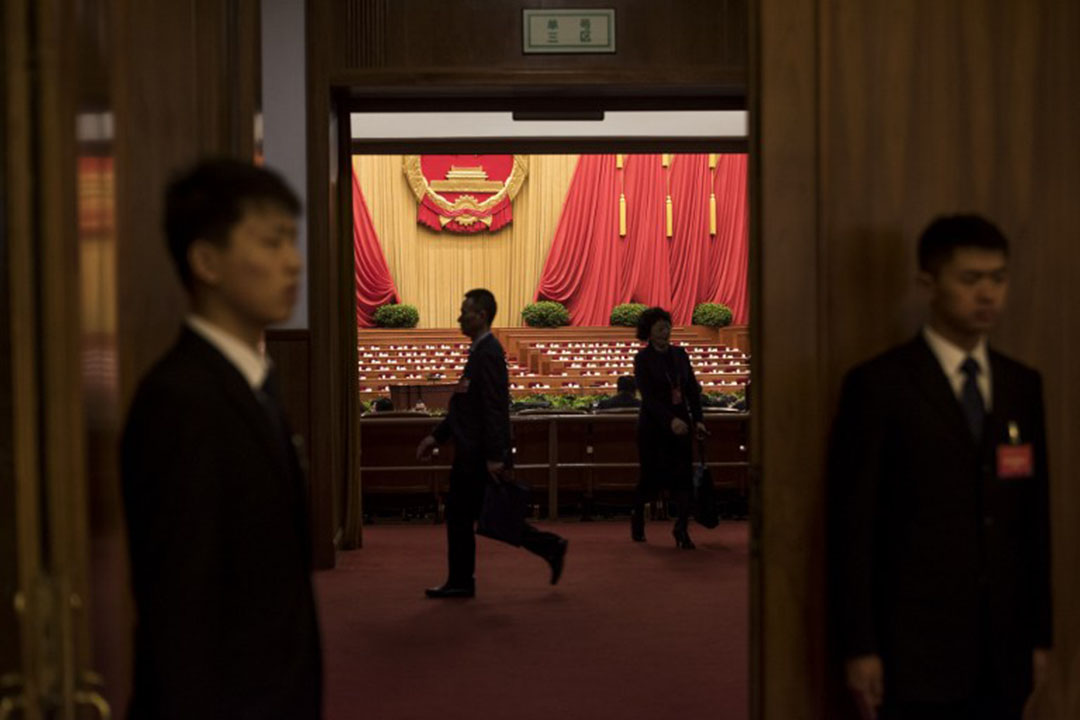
[(626, 314), (545, 313), (393, 315), (713, 315)]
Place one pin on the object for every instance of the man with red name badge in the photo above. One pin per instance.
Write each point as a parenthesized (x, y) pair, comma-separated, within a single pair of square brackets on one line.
[(939, 518)]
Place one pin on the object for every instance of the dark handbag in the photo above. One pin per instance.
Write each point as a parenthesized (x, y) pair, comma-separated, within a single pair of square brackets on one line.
[(705, 511), (506, 504)]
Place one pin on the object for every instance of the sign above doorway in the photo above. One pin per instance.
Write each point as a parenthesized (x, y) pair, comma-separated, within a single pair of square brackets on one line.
[(567, 30)]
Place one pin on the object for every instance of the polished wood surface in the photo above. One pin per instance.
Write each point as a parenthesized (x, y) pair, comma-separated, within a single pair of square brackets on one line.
[(788, 432), (19, 543), (574, 460), (329, 269), (870, 119), (407, 43), (290, 351), (186, 89)]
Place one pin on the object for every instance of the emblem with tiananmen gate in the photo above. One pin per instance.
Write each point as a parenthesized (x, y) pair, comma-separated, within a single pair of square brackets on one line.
[(465, 193)]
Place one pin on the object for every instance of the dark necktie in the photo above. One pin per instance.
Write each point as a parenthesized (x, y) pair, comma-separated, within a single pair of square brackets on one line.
[(971, 399), (268, 398)]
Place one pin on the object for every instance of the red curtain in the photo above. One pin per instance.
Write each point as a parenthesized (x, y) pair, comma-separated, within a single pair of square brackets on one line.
[(725, 271), (644, 259), (582, 267), (374, 286), (590, 269)]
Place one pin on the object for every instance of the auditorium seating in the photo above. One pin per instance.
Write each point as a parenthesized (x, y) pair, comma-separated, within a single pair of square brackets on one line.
[(543, 360)]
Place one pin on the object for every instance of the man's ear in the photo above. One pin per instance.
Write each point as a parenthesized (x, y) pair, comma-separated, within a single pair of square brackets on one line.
[(205, 260)]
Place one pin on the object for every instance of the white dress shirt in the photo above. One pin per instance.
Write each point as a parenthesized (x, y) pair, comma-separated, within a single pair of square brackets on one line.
[(952, 358), (253, 365)]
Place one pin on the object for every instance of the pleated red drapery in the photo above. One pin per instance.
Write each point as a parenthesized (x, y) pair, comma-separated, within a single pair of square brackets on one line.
[(647, 278), (582, 267), (724, 273), (374, 286), (590, 269)]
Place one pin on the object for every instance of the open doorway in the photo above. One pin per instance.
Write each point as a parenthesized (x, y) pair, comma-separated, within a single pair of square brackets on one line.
[(603, 656)]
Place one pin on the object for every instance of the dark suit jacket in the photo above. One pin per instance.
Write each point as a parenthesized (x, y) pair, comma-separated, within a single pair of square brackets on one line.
[(217, 526), (654, 372), (938, 560), (478, 418)]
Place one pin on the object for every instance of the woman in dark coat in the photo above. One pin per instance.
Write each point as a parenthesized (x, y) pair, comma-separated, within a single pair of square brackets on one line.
[(670, 409)]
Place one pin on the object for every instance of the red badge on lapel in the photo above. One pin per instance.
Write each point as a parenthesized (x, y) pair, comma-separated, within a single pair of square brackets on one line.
[(1015, 461)]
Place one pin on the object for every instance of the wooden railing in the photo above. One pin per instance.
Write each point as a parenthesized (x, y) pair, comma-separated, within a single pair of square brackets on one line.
[(590, 455)]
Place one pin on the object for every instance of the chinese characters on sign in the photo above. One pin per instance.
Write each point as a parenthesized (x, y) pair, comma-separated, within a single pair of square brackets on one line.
[(568, 31)]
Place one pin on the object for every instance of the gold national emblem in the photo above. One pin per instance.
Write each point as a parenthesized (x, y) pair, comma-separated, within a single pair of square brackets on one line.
[(465, 193)]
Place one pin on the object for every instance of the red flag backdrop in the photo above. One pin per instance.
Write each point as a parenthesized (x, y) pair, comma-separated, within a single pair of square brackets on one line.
[(591, 268)]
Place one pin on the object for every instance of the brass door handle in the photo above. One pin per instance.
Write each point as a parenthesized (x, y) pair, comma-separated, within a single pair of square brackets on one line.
[(14, 702), (89, 696), (92, 699)]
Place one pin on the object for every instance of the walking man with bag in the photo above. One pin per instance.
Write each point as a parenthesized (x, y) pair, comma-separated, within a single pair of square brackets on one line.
[(478, 421)]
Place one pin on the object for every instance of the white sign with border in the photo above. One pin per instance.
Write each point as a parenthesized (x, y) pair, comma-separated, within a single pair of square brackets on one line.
[(568, 31)]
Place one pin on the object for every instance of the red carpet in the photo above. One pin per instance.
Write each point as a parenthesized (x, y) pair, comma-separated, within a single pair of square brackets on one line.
[(631, 631)]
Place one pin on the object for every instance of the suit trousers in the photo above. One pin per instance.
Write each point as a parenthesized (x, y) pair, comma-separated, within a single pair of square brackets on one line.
[(468, 479)]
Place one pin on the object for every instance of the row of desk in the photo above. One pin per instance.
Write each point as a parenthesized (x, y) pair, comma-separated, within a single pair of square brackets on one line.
[(567, 459)]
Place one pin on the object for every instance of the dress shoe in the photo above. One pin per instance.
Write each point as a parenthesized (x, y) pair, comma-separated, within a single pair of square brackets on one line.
[(557, 559), (451, 591), (682, 539)]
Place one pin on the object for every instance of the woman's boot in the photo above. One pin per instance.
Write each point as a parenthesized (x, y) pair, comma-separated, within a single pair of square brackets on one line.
[(682, 536)]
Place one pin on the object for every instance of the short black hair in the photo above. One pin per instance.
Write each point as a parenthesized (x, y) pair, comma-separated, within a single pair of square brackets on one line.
[(205, 201), (947, 233), (648, 318), (382, 404), (626, 384), (484, 300)]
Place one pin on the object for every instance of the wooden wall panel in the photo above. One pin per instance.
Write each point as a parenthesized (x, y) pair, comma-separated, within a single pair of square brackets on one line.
[(11, 660), (787, 670), (290, 351), (680, 43), (328, 304), (902, 111), (185, 85)]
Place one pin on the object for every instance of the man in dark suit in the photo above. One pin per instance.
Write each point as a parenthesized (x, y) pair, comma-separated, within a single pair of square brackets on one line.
[(941, 529), (626, 397), (213, 490), (478, 421)]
